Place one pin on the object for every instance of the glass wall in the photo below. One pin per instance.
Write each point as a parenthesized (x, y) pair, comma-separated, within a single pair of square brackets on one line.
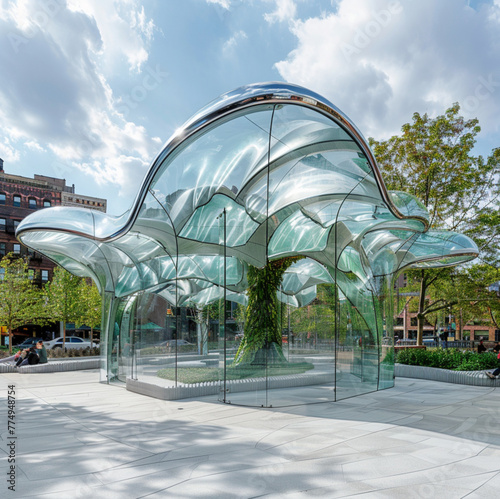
[(257, 262)]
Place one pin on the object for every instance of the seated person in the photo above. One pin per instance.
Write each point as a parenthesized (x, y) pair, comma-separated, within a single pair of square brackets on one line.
[(13, 358), (31, 358), (42, 352), (496, 348), (496, 372)]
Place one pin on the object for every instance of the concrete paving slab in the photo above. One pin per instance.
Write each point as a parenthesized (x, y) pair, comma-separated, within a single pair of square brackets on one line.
[(79, 438)]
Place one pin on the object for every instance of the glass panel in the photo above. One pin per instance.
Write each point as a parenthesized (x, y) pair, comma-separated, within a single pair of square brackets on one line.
[(359, 314), (218, 159), (17, 200)]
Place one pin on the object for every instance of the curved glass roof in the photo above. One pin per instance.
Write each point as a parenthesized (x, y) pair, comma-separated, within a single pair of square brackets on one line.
[(266, 171)]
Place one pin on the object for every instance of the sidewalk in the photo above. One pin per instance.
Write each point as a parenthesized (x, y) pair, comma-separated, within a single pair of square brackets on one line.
[(81, 439)]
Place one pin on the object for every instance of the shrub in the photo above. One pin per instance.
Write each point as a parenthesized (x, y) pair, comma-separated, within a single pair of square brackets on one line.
[(448, 359)]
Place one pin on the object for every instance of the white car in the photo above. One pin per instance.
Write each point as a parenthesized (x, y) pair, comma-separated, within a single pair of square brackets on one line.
[(71, 342)]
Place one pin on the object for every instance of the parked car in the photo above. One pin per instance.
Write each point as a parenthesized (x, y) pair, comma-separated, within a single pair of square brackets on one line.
[(171, 343), (405, 342), (430, 340), (71, 342), (27, 343)]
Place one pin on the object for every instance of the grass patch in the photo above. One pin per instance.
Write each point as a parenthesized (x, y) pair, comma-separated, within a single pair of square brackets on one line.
[(202, 374)]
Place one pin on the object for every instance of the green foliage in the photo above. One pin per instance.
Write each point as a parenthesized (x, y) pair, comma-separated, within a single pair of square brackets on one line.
[(20, 301), (59, 353), (262, 341), (204, 374), (64, 295), (89, 311), (72, 299), (432, 159), (389, 357), (447, 359)]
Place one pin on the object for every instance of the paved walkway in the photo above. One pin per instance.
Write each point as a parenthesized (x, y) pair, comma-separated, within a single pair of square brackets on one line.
[(77, 438)]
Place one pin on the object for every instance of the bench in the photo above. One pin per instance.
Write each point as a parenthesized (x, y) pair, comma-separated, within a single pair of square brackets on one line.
[(54, 366)]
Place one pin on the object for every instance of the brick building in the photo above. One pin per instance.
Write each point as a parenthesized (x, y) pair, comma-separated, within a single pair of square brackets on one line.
[(405, 322), (20, 196)]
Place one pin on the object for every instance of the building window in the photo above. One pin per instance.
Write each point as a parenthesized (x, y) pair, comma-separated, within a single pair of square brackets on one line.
[(2, 249), (17, 200), (46, 203), (17, 249), (32, 203), (2, 224), (2, 274), (31, 274), (16, 223), (45, 275), (2, 197)]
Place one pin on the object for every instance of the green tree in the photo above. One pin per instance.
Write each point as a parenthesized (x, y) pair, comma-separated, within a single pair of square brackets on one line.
[(90, 309), (64, 298), (432, 159), (261, 344), (478, 300), (21, 302)]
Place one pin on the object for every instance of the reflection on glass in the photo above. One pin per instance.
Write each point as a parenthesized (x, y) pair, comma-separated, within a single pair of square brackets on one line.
[(257, 264)]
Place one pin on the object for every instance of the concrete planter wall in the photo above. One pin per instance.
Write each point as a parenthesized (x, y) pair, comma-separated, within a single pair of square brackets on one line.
[(214, 387), (54, 366), (475, 378)]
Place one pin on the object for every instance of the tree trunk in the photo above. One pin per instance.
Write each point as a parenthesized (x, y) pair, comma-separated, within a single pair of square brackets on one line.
[(421, 308), (10, 340), (261, 343)]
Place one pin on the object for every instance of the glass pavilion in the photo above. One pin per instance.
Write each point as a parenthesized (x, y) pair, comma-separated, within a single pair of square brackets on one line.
[(266, 172)]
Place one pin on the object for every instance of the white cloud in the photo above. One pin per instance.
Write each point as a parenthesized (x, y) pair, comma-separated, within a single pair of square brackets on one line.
[(225, 4), (123, 27), (57, 96), (229, 47), (379, 65), (285, 11), (8, 152), (35, 146)]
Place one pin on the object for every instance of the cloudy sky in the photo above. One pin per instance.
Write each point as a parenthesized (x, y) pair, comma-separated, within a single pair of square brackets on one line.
[(91, 89)]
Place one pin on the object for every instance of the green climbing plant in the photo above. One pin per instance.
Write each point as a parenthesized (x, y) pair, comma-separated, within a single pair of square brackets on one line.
[(261, 344)]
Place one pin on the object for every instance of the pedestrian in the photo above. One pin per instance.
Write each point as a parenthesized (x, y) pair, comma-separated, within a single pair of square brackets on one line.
[(496, 372), (444, 339), (481, 348)]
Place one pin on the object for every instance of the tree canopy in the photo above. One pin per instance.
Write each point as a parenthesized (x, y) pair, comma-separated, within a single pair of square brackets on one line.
[(433, 160), (21, 302)]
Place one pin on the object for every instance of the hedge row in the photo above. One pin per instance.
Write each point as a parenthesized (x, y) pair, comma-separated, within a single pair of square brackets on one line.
[(448, 359)]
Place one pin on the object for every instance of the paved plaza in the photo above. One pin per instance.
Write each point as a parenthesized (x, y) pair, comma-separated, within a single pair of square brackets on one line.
[(77, 438)]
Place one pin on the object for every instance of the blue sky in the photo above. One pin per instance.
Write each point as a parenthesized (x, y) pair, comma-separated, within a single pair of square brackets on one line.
[(92, 89)]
